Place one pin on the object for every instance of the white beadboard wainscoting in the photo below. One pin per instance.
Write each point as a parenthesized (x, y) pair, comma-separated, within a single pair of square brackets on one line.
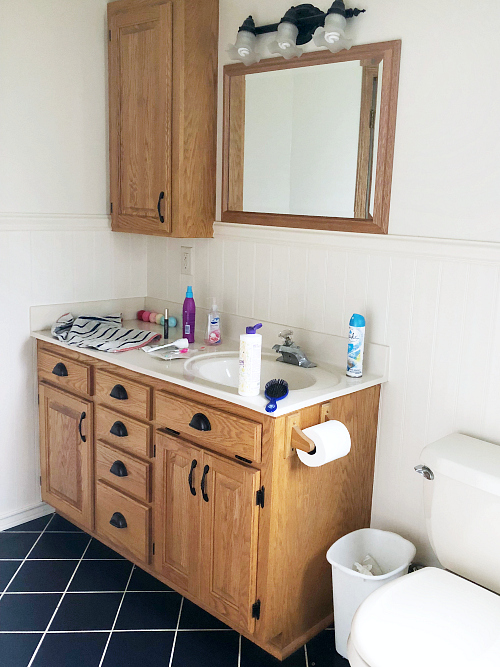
[(48, 259), (434, 302)]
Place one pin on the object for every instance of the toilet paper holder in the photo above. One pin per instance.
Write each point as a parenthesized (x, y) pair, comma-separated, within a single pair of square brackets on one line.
[(296, 438)]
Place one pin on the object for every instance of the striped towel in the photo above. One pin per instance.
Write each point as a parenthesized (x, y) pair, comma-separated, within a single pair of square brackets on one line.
[(102, 333)]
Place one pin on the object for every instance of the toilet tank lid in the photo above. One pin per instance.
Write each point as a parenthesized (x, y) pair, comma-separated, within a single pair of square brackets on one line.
[(465, 459)]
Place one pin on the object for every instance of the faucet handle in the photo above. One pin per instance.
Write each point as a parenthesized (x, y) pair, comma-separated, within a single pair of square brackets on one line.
[(286, 334)]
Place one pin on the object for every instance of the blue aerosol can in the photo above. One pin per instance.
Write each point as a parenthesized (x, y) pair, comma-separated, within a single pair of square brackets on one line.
[(356, 346)]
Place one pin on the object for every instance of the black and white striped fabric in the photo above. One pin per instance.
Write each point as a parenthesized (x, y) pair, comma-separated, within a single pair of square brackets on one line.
[(102, 333)]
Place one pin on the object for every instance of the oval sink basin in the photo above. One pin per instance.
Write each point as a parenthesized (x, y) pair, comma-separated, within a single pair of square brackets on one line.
[(223, 368)]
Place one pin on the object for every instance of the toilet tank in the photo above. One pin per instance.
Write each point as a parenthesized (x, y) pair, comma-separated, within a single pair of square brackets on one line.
[(462, 507)]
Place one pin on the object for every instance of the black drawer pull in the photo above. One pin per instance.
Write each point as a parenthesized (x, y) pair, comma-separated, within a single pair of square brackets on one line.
[(118, 468), (119, 392), (118, 520), (194, 463), (200, 422), (60, 370), (82, 417), (119, 429), (203, 482), (162, 196)]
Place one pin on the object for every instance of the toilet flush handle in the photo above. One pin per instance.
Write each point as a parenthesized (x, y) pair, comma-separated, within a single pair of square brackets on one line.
[(425, 472)]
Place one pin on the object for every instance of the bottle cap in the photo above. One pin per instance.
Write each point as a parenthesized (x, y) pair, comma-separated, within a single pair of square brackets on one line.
[(357, 321), (252, 330), (189, 292)]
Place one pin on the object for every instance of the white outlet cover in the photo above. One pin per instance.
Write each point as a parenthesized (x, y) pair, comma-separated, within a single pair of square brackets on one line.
[(186, 260)]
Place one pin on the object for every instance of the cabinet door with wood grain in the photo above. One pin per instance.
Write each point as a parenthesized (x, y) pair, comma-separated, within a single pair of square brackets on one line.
[(228, 545), (66, 434), (177, 519), (140, 107)]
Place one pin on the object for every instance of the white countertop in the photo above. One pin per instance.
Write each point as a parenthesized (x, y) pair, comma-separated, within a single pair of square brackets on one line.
[(173, 371)]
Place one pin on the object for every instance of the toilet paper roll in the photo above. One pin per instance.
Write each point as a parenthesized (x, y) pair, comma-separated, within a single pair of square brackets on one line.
[(332, 441)]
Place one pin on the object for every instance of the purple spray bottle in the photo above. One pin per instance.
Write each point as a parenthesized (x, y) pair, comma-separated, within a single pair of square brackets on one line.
[(188, 315)]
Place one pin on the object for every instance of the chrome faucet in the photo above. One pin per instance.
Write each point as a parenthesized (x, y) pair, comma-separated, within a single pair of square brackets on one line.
[(291, 353)]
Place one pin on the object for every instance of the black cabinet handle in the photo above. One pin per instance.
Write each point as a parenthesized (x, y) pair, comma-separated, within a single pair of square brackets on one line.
[(119, 392), (200, 422), (82, 417), (194, 463), (118, 520), (119, 429), (60, 370), (118, 468), (203, 482), (162, 196)]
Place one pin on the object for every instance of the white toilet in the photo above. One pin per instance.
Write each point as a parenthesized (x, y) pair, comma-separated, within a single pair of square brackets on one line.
[(432, 617)]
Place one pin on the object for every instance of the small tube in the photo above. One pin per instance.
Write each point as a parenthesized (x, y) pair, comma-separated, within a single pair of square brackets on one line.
[(165, 325)]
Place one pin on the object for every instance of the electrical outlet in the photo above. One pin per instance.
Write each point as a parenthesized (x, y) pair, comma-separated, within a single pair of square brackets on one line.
[(186, 258)]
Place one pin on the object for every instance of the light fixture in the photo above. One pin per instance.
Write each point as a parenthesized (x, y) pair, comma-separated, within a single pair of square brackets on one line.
[(332, 35), (285, 43), (244, 48), (296, 28)]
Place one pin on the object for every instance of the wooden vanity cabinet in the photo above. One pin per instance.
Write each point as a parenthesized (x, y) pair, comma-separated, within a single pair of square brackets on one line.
[(163, 116), (229, 517)]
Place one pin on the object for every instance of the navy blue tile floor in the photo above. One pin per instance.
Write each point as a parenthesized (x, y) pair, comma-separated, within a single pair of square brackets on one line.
[(67, 600)]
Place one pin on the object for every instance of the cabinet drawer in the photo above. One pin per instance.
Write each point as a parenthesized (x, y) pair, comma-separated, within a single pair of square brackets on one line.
[(125, 395), (124, 432), (72, 375), (228, 434), (125, 472), (135, 533)]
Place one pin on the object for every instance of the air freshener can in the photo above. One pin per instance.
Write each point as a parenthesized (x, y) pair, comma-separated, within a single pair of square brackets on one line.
[(356, 346)]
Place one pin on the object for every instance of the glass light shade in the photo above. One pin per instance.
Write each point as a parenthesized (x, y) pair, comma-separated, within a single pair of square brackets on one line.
[(244, 48), (332, 35), (285, 43)]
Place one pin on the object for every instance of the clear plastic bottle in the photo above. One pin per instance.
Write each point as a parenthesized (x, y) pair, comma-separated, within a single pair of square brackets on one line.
[(213, 336)]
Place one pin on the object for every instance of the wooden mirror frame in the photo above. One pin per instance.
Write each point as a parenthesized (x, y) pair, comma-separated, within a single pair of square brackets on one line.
[(233, 139)]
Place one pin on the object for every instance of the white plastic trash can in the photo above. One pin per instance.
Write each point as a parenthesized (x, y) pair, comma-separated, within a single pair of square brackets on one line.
[(393, 554)]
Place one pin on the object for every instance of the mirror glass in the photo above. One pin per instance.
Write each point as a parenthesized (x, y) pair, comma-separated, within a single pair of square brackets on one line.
[(308, 139)]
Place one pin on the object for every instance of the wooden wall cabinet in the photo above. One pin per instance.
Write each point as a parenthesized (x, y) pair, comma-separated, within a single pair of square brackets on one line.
[(229, 517), (163, 116)]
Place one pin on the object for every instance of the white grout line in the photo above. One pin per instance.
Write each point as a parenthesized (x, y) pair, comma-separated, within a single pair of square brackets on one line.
[(307, 657), (116, 616), (239, 651), (26, 557), (79, 592), (72, 632), (175, 635), (58, 605), (36, 560)]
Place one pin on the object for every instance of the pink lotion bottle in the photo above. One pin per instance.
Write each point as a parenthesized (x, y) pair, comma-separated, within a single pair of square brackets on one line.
[(188, 315)]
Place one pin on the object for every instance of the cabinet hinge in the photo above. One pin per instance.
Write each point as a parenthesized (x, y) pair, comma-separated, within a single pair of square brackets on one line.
[(40, 480), (153, 548), (260, 496), (372, 118), (111, 207), (256, 610), (154, 451), (38, 397), (109, 35)]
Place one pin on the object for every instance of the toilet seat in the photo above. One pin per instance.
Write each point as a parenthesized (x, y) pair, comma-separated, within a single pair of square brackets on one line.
[(430, 617)]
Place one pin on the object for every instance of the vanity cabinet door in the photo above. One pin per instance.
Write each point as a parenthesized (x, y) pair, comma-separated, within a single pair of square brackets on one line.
[(228, 546), (66, 435), (177, 519)]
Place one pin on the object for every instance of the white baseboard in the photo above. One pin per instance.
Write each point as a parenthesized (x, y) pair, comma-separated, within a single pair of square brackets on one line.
[(26, 514)]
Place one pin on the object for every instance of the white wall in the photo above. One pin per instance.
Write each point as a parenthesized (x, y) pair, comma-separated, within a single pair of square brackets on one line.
[(55, 242), (435, 303)]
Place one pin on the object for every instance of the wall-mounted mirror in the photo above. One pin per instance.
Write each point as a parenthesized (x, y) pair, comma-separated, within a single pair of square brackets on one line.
[(309, 142)]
